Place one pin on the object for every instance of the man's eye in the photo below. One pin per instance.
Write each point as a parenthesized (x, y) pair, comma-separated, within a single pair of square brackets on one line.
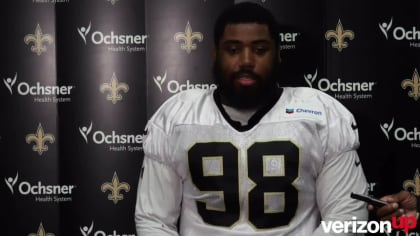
[(260, 50), (233, 50)]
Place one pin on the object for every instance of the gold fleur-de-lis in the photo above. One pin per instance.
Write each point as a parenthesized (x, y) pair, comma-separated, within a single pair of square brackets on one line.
[(41, 232), (115, 187), (39, 138), (414, 83), (414, 184), (38, 39), (339, 34), (114, 88), (188, 37)]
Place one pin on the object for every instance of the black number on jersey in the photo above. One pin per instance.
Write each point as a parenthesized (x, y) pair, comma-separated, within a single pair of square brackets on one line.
[(226, 183), (279, 183)]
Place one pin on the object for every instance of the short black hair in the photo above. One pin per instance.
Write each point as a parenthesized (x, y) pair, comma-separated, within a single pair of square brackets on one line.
[(246, 12)]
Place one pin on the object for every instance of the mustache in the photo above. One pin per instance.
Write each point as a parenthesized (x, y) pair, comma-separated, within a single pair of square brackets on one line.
[(246, 72)]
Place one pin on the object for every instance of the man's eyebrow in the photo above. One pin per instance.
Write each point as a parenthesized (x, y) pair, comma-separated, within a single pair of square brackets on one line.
[(235, 41), (261, 41), (232, 41)]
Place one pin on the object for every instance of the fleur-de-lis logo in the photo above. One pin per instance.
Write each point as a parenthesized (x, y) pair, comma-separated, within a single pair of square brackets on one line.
[(38, 39), (86, 230), (39, 138), (41, 232), (114, 89), (386, 128), (9, 82), (10, 182), (414, 83), (159, 80), (413, 185), (188, 37), (311, 78), (339, 34), (115, 187)]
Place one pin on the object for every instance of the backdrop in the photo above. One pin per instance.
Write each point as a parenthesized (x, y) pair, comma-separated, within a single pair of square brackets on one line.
[(79, 79)]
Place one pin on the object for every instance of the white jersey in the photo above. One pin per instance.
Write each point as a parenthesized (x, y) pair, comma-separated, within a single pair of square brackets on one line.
[(294, 167)]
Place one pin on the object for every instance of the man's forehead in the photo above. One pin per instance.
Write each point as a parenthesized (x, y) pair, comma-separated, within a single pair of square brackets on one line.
[(246, 32)]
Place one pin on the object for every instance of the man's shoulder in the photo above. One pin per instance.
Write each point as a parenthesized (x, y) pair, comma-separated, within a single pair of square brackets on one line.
[(309, 103), (306, 95), (190, 95), (180, 106), (182, 99)]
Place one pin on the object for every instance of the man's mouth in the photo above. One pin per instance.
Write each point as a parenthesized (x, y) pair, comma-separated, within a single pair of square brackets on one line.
[(245, 79)]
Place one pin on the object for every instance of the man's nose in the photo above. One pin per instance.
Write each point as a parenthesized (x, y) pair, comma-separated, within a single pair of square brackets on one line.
[(247, 58)]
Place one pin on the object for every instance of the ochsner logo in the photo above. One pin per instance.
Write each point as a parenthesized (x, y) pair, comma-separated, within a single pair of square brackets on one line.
[(159, 80), (42, 192), (9, 82), (112, 138), (26, 89), (11, 182), (84, 31), (173, 86), (113, 39), (385, 27), (400, 33), (341, 89), (386, 128), (400, 133), (88, 231), (85, 131), (288, 40)]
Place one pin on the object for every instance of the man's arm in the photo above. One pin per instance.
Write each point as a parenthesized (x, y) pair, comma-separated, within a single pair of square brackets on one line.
[(339, 177), (159, 197)]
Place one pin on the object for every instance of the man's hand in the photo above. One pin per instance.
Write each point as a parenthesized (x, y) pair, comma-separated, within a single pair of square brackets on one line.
[(402, 203)]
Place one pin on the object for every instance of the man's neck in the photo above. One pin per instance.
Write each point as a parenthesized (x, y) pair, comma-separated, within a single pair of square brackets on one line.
[(250, 103), (240, 115), (244, 118)]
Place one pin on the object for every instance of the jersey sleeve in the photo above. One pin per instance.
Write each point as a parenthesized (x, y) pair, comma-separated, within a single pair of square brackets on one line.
[(159, 197), (159, 191), (340, 133), (342, 172), (159, 194), (338, 179)]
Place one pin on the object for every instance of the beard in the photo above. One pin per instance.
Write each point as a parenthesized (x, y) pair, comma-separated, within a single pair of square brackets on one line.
[(244, 97)]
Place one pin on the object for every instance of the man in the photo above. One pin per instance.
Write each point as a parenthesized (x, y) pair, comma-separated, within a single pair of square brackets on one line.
[(249, 158), (401, 203)]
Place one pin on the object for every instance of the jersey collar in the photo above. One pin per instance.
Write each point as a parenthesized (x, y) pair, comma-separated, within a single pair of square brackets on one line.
[(254, 118)]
